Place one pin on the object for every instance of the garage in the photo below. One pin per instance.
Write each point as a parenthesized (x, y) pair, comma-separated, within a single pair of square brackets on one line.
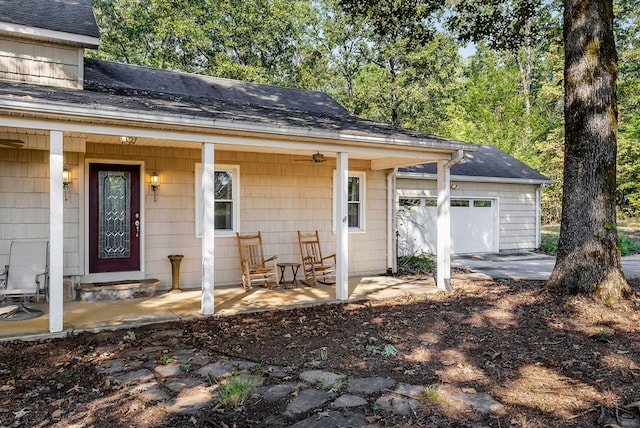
[(474, 225), (495, 205)]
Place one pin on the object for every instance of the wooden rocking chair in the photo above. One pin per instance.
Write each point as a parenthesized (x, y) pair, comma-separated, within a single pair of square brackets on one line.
[(316, 267), (253, 264)]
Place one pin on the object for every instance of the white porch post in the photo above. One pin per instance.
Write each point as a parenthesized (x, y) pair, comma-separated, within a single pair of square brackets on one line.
[(208, 228), (56, 236), (443, 249), (342, 227)]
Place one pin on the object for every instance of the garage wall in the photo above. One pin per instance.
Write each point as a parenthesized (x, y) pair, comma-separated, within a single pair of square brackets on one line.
[(517, 206)]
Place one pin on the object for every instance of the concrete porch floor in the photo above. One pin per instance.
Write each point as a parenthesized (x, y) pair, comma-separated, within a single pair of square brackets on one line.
[(83, 316)]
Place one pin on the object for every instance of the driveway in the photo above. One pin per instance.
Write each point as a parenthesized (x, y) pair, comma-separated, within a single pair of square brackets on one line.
[(525, 265)]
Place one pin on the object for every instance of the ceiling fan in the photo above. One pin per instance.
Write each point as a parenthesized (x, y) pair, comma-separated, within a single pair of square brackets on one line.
[(7, 142), (315, 158)]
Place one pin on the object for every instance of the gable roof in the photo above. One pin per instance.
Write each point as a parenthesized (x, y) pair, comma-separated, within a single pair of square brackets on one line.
[(487, 164), (66, 16)]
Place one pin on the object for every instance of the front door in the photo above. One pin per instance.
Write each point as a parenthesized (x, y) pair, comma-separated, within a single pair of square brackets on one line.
[(114, 218)]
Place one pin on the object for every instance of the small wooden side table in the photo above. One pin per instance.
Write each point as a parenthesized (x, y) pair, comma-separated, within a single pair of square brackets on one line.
[(294, 270)]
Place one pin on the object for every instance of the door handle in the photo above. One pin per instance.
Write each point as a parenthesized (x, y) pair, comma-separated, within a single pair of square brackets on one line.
[(137, 224)]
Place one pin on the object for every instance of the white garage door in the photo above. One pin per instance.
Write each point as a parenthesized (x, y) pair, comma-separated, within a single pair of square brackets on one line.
[(474, 225)]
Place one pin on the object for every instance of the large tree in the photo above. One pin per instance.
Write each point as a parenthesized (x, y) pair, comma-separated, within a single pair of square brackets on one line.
[(588, 259)]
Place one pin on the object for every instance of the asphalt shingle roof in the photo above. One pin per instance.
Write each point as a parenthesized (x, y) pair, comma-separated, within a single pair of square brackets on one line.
[(67, 16), (122, 87), (129, 79), (488, 161)]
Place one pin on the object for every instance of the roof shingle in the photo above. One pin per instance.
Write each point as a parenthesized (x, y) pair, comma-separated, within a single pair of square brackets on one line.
[(67, 16), (488, 161)]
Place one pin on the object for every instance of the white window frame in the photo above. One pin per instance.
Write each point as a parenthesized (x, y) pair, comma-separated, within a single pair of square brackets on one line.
[(362, 175), (235, 194)]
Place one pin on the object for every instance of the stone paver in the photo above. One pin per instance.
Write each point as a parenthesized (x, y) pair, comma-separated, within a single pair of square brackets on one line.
[(309, 396), (169, 370), (404, 400), (148, 392), (349, 400), (321, 377), (369, 385), (276, 393), (190, 400), (483, 403), (308, 399)]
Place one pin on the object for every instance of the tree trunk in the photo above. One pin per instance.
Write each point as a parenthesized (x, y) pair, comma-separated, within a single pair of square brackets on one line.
[(588, 257)]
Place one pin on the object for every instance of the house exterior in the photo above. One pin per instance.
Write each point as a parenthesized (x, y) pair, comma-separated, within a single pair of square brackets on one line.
[(495, 205), (120, 166)]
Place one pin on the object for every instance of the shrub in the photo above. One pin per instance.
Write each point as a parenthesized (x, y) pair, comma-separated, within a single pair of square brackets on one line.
[(418, 263)]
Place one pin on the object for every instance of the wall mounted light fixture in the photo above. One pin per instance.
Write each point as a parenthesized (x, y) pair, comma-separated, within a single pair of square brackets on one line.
[(66, 181), (128, 140), (454, 186), (154, 184)]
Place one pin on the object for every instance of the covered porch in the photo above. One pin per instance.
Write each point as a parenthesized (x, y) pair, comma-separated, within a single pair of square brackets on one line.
[(59, 147)]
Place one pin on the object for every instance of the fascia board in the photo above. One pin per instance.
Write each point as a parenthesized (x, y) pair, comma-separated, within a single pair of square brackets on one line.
[(69, 111), (475, 179), (49, 35)]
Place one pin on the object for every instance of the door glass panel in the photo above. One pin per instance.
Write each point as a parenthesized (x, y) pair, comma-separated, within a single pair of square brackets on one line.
[(459, 203), (409, 202), (114, 225), (482, 203)]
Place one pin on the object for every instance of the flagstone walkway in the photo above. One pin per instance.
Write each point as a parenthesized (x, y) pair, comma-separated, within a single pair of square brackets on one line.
[(183, 382)]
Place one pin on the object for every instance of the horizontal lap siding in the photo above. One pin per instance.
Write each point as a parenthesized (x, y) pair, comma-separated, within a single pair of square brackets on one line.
[(517, 205)]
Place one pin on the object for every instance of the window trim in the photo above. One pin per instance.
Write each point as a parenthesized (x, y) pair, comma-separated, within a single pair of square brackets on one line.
[(235, 194), (362, 175)]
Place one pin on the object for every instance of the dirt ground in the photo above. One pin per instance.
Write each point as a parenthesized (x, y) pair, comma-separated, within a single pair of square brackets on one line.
[(550, 361)]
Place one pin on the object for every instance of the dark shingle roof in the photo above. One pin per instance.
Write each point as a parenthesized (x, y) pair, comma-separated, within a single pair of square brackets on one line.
[(113, 87), (129, 79), (67, 16), (488, 161)]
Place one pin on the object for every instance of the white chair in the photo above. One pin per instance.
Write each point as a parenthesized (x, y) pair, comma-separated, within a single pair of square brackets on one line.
[(26, 276)]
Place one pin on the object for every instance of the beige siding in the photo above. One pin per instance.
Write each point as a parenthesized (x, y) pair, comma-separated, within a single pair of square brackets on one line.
[(24, 203), (278, 196), (40, 63), (516, 204)]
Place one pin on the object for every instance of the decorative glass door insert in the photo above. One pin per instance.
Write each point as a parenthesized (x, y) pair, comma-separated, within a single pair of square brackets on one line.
[(114, 225)]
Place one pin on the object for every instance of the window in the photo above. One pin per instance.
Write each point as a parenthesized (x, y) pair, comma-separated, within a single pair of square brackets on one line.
[(223, 211), (226, 199), (482, 203), (405, 202), (459, 203), (355, 201)]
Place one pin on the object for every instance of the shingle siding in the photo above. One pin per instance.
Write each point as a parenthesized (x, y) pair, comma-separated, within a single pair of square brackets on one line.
[(275, 199)]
